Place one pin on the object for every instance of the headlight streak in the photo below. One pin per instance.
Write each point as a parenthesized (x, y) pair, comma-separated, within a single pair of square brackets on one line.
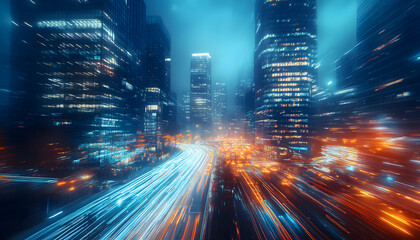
[(143, 207), (286, 200)]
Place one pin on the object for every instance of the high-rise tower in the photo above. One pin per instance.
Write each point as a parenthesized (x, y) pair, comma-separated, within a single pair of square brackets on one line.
[(200, 94), (220, 108), (285, 73), (76, 71), (157, 82)]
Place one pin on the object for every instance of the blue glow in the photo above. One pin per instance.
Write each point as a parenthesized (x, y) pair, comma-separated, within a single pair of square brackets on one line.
[(55, 215), (148, 200), (350, 168), (390, 178), (300, 148)]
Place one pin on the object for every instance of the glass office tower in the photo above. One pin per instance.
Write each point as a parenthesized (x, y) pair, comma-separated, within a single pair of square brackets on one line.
[(285, 73), (200, 94), (157, 82), (76, 67)]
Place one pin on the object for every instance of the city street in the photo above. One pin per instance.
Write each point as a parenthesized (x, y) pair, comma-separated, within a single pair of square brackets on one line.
[(304, 201), (218, 120), (167, 202), (239, 194)]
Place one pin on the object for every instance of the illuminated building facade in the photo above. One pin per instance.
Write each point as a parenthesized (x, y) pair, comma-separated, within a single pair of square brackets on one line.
[(153, 118), (157, 82), (200, 94), (285, 73), (76, 69)]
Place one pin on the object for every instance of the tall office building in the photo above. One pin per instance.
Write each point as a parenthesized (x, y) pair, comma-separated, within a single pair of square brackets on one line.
[(240, 99), (374, 107), (76, 68), (157, 82), (200, 94), (220, 108), (388, 60), (157, 55), (170, 114), (185, 116), (285, 73), (249, 113), (237, 122), (377, 91), (242, 123)]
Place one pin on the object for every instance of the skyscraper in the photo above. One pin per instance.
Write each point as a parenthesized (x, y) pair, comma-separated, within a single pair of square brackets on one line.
[(388, 59), (220, 108), (76, 71), (249, 113), (170, 114), (186, 112), (285, 73), (200, 94), (237, 122), (377, 91), (375, 105), (157, 55), (157, 82)]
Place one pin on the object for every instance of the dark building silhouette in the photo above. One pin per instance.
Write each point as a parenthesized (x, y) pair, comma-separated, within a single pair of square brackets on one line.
[(185, 116), (157, 54), (249, 119), (387, 76), (170, 114), (238, 120), (158, 99), (375, 106), (378, 79), (220, 108), (76, 71), (200, 95), (285, 73)]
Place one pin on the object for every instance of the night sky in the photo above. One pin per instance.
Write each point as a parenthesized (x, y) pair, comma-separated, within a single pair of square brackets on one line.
[(225, 29)]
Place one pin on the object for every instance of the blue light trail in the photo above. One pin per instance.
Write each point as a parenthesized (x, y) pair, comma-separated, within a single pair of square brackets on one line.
[(151, 206)]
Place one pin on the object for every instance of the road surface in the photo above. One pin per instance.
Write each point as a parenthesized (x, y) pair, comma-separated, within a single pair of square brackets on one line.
[(167, 202), (279, 200)]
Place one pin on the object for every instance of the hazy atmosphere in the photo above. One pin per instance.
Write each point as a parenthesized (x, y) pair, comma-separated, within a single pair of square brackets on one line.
[(209, 119), (225, 29)]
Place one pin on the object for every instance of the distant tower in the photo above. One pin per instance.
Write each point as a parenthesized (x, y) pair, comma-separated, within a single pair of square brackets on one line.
[(200, 94), (285, 73), (220, 108), (186, 112)]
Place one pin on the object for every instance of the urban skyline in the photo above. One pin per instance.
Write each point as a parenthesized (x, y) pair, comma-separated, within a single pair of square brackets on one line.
[(103, 136), (336, 24)]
